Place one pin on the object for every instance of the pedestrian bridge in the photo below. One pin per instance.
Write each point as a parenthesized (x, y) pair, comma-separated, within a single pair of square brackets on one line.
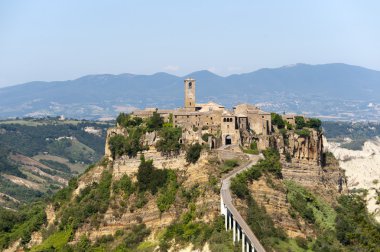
[(241, 232)]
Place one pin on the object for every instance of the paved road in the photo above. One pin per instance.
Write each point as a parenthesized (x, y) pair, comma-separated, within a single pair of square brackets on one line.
[(227, 199)]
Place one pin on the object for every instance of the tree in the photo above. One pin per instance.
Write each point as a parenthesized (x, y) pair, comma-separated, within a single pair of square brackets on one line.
[(277, 120), (169, 141), (117, 145), (300, 122), (155, 122), (314, 123), (126, 120), (149, 178), (193, 153)]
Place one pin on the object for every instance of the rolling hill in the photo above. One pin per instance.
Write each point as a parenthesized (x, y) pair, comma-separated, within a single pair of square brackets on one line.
[(337, 91)]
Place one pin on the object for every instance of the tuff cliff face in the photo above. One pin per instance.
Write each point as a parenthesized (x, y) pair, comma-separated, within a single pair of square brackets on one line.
[(122, 214), (302, 149), (327, 182)]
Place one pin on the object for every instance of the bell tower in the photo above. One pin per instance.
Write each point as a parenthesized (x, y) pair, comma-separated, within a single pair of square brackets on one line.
[(190, 93)]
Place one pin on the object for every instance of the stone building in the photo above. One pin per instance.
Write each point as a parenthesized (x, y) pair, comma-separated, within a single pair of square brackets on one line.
[(223, 127)]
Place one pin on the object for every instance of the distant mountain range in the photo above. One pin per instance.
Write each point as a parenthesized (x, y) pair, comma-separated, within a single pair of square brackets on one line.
[(329, 91)]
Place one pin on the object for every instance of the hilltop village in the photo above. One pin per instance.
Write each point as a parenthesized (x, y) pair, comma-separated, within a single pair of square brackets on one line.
[(203, 178), (246, 126)]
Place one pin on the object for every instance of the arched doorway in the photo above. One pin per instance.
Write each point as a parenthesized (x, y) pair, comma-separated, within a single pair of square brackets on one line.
[(228, 140)]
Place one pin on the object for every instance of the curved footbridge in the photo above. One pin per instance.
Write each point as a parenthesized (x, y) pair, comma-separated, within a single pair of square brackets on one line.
[(233, 220)]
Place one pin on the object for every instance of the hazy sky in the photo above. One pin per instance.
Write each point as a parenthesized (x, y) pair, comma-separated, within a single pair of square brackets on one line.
[(59, 40)]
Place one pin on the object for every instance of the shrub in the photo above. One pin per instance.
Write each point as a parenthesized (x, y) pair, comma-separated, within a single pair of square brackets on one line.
[(277, 120), (193, 153), (239, 186), (92, 201), (130, 145), (289, 126), (168, 192), (301, 242), (205, 137), (314, 123), (262, 224), (149, 178), (169, 141), (136, 236), (303, 132), (288, 157), (310, 207), (300, 122), (126, 120), (354, 226), (155, 122), (124, 185)]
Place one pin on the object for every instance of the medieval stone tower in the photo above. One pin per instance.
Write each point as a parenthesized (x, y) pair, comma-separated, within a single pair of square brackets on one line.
[(190, 94)]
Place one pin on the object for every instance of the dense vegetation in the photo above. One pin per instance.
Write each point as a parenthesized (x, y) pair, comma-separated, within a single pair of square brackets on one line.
[(66, 149), (31, 140), (277, 120), (91, 202), (301, 124), (346, 226), (168, 143), (127, 145), (21, 224)]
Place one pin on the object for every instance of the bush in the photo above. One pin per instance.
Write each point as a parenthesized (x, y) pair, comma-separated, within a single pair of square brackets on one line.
[(193, 153), (126, 120), (314, 123), (310, 207), (239, 186), (135, 236), (277, 120), (228, 165), (130, 145), (150, 178), (300, 122), (354, 226), (21, 224), (155, 122), (168, 192), (169, 141), (262, 224), (303, 132), (124, 185), (205, 137), (92, 201), (288, 157), (302, 242)]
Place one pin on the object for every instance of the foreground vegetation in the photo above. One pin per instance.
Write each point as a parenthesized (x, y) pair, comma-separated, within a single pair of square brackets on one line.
[(62, 145), (346, 226)]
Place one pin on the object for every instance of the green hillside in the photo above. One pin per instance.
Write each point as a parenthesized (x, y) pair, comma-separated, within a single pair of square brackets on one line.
[(39, 156)]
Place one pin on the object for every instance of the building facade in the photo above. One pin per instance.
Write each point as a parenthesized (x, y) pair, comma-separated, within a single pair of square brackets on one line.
[(212, 123)]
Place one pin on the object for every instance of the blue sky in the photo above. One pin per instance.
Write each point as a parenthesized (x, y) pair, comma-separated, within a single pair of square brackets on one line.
[(60, 40)]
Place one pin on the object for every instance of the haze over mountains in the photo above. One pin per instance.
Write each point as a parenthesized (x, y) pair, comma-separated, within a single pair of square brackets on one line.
[(329, 91)]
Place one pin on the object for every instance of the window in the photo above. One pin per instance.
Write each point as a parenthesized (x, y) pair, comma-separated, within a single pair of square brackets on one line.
[(190, 85)]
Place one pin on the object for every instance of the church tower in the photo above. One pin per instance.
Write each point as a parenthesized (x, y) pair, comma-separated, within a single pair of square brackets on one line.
[(190, 94)]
